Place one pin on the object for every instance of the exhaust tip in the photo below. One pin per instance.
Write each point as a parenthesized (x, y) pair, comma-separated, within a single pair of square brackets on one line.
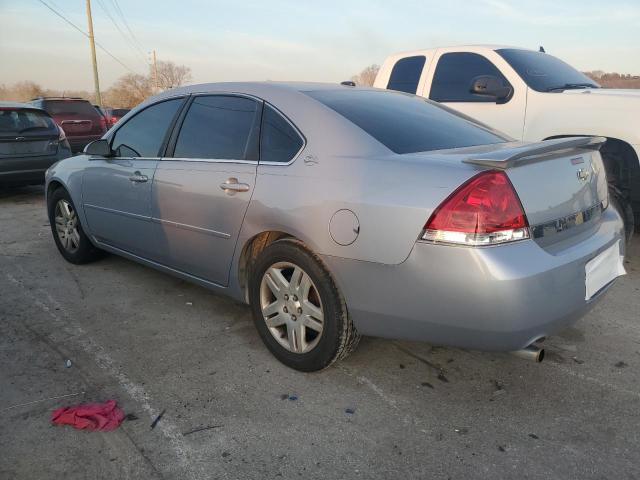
[(532, 353)]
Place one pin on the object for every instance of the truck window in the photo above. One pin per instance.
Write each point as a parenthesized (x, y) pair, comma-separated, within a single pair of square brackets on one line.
[(543, 72), (406, 74), (455, 73)]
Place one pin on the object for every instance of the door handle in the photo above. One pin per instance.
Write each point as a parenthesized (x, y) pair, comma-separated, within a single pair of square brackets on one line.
[(137, 177), (231, 186)]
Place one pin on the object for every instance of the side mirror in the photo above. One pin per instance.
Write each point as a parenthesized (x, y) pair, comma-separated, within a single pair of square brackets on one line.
[(491, 87), (100, 148)]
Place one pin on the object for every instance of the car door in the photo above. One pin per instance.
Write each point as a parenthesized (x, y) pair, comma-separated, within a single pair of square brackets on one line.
[(201, 190), (116, 191), (451, 85)]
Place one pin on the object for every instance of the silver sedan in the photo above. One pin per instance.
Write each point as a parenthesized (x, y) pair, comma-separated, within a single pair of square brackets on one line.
[(336, 211)]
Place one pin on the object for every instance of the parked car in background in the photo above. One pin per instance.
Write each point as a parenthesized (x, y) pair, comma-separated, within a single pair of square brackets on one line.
[(531, 96), (117, 114), (30, 142), (81, 122), (337, 211)]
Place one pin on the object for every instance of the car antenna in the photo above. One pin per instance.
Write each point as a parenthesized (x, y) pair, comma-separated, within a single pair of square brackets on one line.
[(348, 83), (541, 50)]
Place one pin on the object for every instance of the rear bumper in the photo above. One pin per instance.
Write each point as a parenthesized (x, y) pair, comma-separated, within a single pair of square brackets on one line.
[(497, 298), (29, 170), (79, 142)]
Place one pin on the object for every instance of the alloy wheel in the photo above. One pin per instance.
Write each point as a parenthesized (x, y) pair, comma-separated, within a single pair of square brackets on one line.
[(291, 307), (67, 225)]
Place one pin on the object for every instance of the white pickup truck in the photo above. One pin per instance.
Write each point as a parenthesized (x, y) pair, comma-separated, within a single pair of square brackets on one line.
[(530, 96)]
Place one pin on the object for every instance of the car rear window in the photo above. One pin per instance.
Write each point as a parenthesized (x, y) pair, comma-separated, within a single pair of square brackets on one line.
[(406, 123), (17, 121), (70, 107)]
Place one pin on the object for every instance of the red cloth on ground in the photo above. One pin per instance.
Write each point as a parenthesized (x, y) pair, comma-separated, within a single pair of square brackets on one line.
[(98, 416)]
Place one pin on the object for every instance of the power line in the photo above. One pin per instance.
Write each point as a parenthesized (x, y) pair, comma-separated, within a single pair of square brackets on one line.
[(85, 34), (124, 37), (126, 24)]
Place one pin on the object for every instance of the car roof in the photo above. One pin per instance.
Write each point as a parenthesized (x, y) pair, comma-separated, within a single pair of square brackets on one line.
[(259, 89), (19, 105)]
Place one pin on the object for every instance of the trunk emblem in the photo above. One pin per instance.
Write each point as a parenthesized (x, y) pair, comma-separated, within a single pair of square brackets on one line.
[(20, 139), (583, 174)]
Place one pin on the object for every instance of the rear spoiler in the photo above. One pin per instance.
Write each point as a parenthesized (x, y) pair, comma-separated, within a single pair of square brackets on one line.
[(534, 152)]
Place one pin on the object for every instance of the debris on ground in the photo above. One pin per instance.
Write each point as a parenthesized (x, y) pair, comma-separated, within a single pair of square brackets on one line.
[(97, 416), (67, 364), (426, 384), (534, 436), (130, 417), (461, 431), (621, 364), (201, 429), (502, 448), (350, 410), (284, 396), (293, 397), (577, 360), (155, 422), (225, 454), (401, 366), (442, 378), (189, 304)]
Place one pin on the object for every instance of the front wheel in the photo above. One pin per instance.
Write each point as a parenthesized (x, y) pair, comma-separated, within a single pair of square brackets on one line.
[(72, 242), (297, 308)]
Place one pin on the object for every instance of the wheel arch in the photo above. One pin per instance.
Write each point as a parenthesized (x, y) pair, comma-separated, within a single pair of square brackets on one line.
[(250, 252)]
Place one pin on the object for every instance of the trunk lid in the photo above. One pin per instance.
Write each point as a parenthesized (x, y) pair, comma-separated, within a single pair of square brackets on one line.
[(561, 184)]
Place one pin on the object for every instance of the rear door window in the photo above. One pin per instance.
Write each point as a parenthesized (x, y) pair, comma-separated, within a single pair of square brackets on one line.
[(279, 141), (143, 135), (454, 76), (406, 74), (220, 127)]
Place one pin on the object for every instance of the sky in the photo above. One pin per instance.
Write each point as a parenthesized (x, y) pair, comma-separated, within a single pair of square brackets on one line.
[(328, 40)]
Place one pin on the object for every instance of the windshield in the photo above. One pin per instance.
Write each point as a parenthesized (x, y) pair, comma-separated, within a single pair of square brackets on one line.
[(405, 123), (543, 72), (17, 121)]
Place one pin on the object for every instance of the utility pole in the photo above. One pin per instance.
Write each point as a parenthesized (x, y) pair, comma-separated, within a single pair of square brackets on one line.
[(155, 73), (92, 42)]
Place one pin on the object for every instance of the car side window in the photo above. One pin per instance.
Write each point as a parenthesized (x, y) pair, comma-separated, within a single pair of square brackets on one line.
[(143, 135), (454, 77), (406, 74), (279, 141), (219, 127)]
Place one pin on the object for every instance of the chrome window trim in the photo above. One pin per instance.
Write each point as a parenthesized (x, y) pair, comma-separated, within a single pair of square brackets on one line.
[(209, 160)]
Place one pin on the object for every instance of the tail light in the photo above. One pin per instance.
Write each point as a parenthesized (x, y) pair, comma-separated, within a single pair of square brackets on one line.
[(484, 211), (62, 136)]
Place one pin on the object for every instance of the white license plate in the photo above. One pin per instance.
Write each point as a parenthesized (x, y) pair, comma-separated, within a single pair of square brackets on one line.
[(603, 269)]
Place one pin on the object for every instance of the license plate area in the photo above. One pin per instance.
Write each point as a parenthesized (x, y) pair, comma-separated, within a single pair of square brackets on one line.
[(603, 269)]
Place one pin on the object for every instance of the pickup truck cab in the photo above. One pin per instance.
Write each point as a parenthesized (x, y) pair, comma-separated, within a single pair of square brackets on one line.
[(530, 96)]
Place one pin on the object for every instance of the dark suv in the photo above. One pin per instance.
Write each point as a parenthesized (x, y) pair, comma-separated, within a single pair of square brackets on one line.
[(80, 121)]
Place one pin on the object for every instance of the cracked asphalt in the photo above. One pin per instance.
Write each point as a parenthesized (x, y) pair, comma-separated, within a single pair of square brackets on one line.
[(391, 410)]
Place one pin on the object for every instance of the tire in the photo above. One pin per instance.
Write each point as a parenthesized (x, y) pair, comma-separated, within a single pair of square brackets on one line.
[(622, 205), (305, 293), (72, 242)]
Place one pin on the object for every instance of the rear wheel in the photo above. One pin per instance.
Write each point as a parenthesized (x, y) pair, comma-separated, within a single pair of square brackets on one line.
[(67, 231), (297, 308)]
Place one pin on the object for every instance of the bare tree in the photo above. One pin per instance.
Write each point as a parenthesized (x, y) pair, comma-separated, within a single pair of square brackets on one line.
[(128, 91), (367, 76), (22, 91), (171, 75)]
